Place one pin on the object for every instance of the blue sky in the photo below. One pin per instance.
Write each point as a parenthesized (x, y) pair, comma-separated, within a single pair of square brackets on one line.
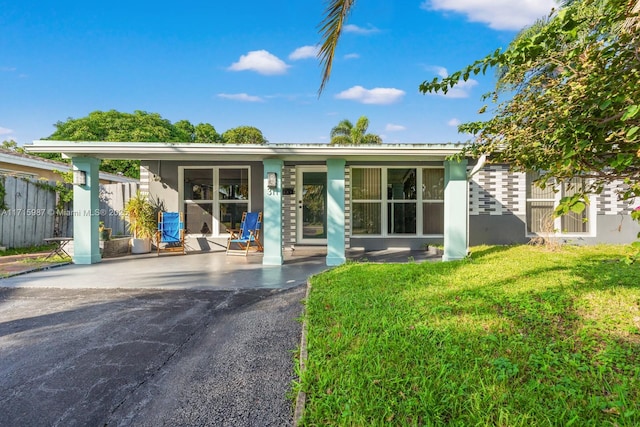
[(250, 63)]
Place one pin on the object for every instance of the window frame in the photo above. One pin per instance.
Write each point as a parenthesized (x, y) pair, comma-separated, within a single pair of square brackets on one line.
[(216, 201), (385, 202), (559, 190)]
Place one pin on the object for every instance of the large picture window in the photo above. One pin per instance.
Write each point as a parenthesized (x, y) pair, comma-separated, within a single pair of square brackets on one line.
[(411, 204), (214, 198), (541, 203)]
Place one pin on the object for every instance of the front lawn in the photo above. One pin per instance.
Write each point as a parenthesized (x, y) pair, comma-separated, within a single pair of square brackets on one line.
[(513, 336)]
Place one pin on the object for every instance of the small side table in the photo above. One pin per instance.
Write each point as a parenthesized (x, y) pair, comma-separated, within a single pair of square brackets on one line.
[(60, 243)]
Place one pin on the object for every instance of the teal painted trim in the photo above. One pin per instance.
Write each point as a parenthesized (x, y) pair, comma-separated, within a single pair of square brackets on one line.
[(86, 211), (456, 210), (272, 215), (335, 212)]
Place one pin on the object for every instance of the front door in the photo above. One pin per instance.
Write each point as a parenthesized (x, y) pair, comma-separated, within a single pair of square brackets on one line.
[(311, 198)]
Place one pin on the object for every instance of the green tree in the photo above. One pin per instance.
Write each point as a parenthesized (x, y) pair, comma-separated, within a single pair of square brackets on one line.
[(243, 135), (571, 105), (139, 126), (12, 146), (184, 131), (206, 133), (346, 133)]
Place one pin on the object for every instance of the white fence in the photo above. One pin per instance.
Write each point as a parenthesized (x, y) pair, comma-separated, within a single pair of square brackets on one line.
[(32, 212)]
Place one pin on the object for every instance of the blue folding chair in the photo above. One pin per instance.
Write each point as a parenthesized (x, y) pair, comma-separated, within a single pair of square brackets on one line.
[(247, 235), (170, 232)]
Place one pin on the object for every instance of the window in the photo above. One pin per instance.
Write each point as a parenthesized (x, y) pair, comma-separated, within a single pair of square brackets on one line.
[(401, 201), (400, 210), (233, 193), (366, 184), (541, 204), (433, 201), (214, 198)]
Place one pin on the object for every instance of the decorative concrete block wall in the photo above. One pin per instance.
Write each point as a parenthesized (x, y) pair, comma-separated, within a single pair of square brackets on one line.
[(608, 203), (145, 176), (496, 191), (347, 207), (289, 207)]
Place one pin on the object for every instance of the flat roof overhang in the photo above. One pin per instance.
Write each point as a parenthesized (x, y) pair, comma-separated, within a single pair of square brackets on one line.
[(244, 152)]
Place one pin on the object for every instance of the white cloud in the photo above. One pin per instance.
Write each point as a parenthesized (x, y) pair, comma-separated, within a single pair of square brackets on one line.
[(454, 122), (461, 90), (379, 95), (394, 128), (241, 97), (261, 62), (350, 28), (304, 52), (441, 71), (352, 56), (498, 14), (5, 131), (7, 69)]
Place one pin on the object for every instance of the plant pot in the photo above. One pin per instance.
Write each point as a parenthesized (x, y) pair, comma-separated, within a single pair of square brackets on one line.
[(105, 234), (116, 246), (140, 246)]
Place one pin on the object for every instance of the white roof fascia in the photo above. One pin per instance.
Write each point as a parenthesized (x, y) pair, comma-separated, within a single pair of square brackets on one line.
[(32, 163), (57, 166), (197, 151)]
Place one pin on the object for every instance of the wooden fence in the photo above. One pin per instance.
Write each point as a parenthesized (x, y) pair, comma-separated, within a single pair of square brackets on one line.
[(113, 197), (33, 213)]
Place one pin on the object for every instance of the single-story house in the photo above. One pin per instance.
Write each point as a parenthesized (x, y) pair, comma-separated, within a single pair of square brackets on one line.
[(24, 165), (370, 197)]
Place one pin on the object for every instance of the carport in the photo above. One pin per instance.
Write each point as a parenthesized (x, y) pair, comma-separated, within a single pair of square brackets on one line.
[(86, 158)]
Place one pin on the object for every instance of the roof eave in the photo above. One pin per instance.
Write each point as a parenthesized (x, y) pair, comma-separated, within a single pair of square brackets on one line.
[(195, 151)]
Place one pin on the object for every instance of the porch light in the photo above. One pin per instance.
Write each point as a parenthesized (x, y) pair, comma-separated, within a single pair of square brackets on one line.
[(272, 180), (79, 177)]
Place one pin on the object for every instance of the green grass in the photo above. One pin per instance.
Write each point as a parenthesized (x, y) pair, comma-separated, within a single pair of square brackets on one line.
[(27, 250), (513, 336), (45, 259)]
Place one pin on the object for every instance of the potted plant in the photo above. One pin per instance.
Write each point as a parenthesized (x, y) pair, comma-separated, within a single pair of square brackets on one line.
[(104, 232), (142, 222)]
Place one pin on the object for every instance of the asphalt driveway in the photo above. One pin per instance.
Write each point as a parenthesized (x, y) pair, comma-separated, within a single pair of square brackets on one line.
[(147, 357)]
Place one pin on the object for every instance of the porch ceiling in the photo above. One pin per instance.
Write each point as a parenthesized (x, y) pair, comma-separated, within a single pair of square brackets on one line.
[(242, 152)]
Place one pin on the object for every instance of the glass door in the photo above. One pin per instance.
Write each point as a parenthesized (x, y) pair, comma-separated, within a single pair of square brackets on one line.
[(311, 198)]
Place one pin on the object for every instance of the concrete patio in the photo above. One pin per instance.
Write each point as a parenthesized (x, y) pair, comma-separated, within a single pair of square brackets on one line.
[(200, 271)]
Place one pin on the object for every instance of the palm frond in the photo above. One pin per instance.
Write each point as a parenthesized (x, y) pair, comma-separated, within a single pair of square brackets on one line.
[(343, 128), (341, 140), (330, 28), (362, 124), (371, 138)]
